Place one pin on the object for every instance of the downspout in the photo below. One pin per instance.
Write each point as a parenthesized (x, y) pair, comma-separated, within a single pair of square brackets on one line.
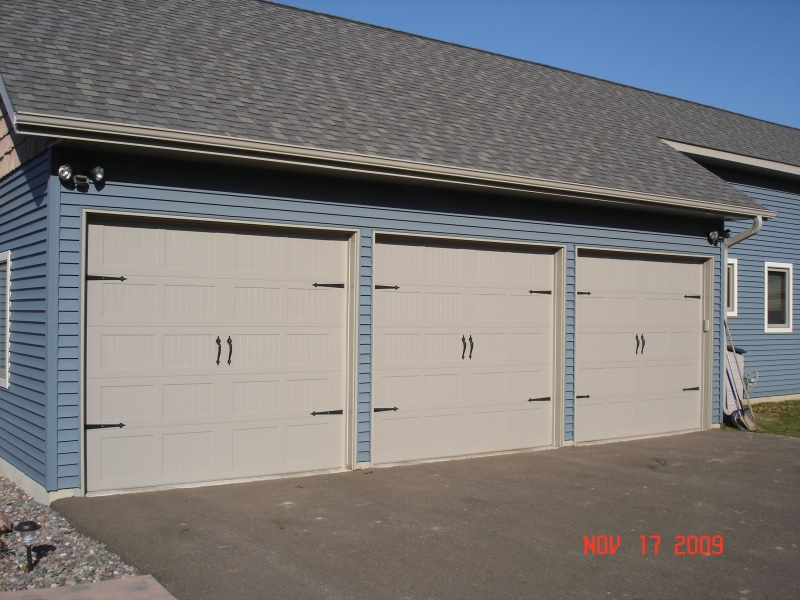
[(758, 222), (740, 237)]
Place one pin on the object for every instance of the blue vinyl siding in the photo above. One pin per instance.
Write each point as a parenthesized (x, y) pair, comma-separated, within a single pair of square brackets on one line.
[(776, 356), (24, 213), (183, 190)]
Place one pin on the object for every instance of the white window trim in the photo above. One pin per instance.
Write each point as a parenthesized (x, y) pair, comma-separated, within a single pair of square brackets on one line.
[(786, 267), (734, 310), (6, 257)]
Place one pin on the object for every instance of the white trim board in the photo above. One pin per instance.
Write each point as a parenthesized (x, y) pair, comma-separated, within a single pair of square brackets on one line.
[(734, 310), (356, 164), (779, 267), (737, 161)]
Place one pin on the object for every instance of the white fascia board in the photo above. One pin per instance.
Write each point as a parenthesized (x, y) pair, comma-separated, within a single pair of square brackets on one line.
[(316, 158), (733, 160)]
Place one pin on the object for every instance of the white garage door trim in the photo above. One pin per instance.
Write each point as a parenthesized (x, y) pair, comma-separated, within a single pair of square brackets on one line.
[(559, 252), (351, 326), (707, 352)]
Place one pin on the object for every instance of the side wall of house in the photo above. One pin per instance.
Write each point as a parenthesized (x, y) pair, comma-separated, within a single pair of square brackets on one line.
[(24, 213), (776, 356), (226, 193)]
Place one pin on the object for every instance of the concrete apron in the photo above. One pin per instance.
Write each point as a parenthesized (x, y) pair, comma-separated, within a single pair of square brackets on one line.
[(134, 588)]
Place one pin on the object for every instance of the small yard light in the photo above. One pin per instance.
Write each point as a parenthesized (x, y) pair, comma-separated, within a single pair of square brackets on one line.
[(28, 529)]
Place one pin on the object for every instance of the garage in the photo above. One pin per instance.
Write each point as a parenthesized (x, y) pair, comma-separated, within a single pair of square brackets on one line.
[(464, 349), (639, 346), (222, 352)]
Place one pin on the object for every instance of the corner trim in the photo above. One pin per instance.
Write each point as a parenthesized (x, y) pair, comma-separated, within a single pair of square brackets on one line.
[(357, 164), (731, 159)]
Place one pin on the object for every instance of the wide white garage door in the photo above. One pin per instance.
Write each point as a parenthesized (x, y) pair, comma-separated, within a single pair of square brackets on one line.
[(463, 353), (214, 351), (638, 347)]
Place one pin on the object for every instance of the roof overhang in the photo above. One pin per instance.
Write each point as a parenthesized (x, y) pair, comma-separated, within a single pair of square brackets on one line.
[(710, 156), (360, 165)]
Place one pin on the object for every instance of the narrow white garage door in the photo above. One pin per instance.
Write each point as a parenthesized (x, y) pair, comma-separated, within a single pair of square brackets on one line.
[(638, 347), (214, 351), (463, 352)]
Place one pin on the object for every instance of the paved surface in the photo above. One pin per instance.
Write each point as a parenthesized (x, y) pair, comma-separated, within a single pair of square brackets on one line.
[(497, 527), (136, 588)]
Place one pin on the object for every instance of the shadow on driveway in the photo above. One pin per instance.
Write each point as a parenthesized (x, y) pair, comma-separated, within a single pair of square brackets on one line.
[(509, 526)]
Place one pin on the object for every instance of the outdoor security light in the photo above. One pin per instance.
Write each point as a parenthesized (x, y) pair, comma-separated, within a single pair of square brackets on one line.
[(97, 174), (65, 172), (715, 237), (80, 177), (28, 529)]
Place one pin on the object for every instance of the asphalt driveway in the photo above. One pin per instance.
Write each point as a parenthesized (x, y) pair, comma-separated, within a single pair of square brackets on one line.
[(509, 526)]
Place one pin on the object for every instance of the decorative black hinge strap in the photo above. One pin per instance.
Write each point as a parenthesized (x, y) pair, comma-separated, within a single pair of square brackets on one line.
[(327, 412), (587, 396), (336, 285), (384, 409), (539, 292), (117, 426), (545, 399), (104, 278), (690, 296), (387, 287), (584, 293), (691, 389)]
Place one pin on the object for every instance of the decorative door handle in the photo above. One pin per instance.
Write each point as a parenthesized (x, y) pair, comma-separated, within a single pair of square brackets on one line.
[(464, 351), (642, 343), (637, 343), (230, 349), (471, 346), (219, 348)]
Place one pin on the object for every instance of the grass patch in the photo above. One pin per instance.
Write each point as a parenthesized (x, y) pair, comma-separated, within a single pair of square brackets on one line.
[(780, 418)]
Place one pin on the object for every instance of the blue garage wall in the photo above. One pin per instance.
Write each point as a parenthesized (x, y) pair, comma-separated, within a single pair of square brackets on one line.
[(776, 356), (24, 213), (185, 190)]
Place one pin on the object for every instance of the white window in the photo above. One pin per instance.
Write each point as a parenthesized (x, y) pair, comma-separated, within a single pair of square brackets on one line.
[(778, 281), (732, 291), (5, 314)]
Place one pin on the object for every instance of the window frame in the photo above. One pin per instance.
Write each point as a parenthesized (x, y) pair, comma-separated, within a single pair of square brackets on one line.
[(789, 268), (732, 311), (5, 257)]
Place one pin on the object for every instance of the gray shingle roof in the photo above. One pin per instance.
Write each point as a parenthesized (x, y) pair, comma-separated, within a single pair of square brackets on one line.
[(256, 70)]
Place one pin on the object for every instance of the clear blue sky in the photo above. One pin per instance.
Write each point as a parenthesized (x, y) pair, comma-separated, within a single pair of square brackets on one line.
[(738, 55)]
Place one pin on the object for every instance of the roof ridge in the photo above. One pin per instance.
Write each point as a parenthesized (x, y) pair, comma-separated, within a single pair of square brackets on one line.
[(523, 60)]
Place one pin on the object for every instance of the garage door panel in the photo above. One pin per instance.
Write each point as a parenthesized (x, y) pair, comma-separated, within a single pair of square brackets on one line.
[(152, 355), (481, 306), (399, 306), (633, 371)]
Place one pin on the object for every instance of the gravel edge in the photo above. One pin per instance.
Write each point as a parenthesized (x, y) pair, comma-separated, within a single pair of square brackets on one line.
[(62, 556)]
